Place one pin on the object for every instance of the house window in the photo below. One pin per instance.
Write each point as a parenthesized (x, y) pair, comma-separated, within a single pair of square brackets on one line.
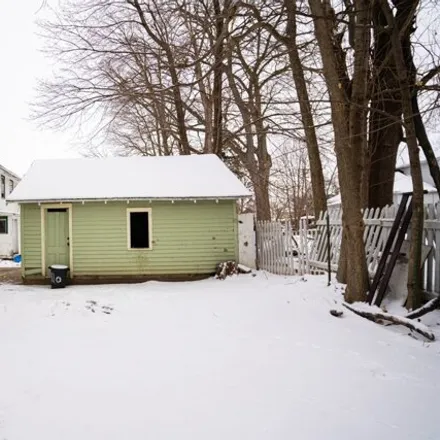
[(11, 186), (3, 187), (139, 228), (3, 225)]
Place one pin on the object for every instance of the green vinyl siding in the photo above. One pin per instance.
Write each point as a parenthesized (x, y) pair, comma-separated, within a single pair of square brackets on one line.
[(30, 219), (187, 238)]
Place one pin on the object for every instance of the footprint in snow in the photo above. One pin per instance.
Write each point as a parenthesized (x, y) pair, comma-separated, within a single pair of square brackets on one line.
[(107, 309), (93, 306)]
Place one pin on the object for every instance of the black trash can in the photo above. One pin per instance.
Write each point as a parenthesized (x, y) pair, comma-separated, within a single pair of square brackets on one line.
[(58, 275)]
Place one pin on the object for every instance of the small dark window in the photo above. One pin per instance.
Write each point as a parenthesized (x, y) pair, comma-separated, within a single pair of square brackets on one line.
[(139, 230), (3, 187), (11, 186), (3, 225)]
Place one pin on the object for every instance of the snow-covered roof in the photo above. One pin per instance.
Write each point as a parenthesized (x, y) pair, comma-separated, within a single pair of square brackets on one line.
[(402, 184), (335, 200), (9, 172), (403, 162), (114, 178)]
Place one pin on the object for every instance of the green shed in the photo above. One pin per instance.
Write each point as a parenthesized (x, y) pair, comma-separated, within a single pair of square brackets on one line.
[(128, 218)]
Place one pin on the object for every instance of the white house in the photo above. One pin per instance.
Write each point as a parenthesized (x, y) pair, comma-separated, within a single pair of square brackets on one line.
[(426, 175), (9, 215), (402, 184)]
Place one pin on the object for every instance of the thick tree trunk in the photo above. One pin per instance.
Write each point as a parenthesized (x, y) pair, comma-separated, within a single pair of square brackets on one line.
[(206, 101), (365, 177), (385, 116), (178, 104), (357, 134), (357, 274), (348, 123), (383, 149), (262, 177), (414, 267), (401, 45), (217, 95), (255, 158), (341, 274), (386, 106), (262, 198)]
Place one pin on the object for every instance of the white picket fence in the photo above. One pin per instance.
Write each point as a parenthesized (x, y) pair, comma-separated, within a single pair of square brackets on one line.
[(283, 251), (286, 252)]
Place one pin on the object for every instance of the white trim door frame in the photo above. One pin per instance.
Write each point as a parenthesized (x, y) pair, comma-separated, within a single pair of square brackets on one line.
[(43, 213), (150, 229)]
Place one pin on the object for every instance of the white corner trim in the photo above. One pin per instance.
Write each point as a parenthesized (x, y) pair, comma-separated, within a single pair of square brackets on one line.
[(43, 240), (150, 228), (43, 209)]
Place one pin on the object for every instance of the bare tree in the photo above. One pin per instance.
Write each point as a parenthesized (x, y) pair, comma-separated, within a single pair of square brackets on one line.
[(291, 189), (385, 115), (289, 39), (386, 101), (406, 78), (154, 72), (348, 103), (248, 78)]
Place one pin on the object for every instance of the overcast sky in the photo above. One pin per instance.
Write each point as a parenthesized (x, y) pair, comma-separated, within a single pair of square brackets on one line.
[(21, 140)]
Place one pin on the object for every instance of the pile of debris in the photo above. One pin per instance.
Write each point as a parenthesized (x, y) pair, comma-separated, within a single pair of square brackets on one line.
[(229, 268)]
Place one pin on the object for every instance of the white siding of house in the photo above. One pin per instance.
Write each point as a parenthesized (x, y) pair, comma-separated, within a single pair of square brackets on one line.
[(9, 243), (426, 177)]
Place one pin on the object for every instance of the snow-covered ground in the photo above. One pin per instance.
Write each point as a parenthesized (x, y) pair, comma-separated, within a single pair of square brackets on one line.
[(245, 358), (9, 263)]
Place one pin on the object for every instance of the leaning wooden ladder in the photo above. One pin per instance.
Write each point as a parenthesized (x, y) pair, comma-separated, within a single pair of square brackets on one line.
[(391, 251)]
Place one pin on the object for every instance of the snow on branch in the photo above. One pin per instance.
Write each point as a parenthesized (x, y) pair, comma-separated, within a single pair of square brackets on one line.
[(426, 308), (375, 316)]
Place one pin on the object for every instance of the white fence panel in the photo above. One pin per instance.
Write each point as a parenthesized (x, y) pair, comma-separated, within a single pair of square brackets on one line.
[(283, 251), (277, 248)]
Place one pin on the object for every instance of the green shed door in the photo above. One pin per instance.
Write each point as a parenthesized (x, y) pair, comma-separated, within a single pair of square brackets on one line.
[(57, 237)]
